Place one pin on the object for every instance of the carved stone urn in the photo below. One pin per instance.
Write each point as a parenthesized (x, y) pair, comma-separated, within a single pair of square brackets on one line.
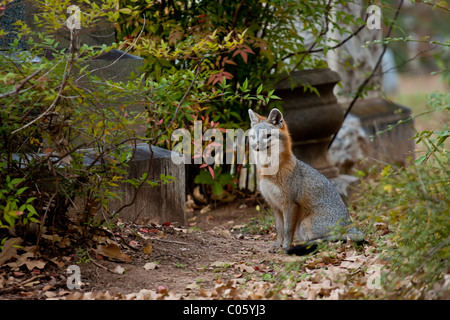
[(312, 119)]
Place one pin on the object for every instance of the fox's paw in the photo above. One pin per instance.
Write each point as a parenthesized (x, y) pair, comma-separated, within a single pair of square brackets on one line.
[(276, 249)]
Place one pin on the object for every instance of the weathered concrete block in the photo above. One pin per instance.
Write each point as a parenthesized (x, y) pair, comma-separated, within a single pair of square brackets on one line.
[(163, 203)]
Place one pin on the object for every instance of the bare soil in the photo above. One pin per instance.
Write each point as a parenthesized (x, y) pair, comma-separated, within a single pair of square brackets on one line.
[(179, 259), (186, 258)]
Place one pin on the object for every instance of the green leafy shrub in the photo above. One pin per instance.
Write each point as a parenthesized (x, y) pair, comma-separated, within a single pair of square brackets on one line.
[(271, 44), (66, 133), (412, 207)]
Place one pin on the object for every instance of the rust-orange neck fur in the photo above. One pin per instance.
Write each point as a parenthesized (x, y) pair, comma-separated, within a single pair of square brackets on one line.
[(286, 160)]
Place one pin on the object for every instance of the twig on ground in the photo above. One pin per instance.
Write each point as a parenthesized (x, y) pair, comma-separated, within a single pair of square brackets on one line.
[(98, 264), (170, 241)]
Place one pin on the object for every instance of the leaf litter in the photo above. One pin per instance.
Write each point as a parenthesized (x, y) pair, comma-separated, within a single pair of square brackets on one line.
[(166, 261)]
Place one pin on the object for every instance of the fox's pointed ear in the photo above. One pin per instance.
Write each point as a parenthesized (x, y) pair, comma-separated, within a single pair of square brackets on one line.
[(275, 117), (254, 119)]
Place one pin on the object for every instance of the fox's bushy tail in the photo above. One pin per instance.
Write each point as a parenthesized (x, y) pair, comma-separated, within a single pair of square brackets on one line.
[(312, 246), (303, 248)]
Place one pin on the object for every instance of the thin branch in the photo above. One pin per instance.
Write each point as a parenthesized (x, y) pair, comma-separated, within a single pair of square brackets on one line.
[(322, 32), (434, 5), (367, 80), (321, 49), (68, 68), (236, 14), (20, 85), (120, 57), (312, 50), (98, 264)]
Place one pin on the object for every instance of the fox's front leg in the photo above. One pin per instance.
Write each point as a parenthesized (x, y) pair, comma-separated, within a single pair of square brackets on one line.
[(289, 224), (279, 227)]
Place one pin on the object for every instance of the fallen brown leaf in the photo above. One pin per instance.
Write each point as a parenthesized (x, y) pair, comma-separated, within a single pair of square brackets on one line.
[(148, 249), (10, 249), (244, 267), (112, 251)]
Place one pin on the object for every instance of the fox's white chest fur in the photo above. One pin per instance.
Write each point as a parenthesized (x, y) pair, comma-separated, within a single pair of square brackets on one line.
[(272, 193)]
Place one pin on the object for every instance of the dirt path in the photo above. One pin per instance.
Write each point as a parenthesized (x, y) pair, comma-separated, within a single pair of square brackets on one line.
[(184, 262), (183, 259), (161, 258), (221, 254)]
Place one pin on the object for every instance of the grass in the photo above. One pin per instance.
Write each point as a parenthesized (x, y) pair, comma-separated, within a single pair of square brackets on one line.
[(262, 224)]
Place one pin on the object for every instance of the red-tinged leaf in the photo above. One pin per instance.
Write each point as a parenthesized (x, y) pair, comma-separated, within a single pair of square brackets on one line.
[(143, 230), (219, 77), (244, 56), (167, 224), (243, 51), (227, 75), (211, 171), (246, 48), (211, 78), (227, 61)]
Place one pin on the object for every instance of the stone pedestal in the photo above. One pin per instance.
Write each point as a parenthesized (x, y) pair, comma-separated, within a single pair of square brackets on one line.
[(312, 119)]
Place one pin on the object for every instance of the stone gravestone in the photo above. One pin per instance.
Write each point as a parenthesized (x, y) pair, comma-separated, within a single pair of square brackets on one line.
[(24, 10), (159, 204), (163, 203)]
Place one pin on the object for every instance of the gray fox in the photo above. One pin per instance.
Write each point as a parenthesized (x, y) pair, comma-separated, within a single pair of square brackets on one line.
[(304, 202)]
